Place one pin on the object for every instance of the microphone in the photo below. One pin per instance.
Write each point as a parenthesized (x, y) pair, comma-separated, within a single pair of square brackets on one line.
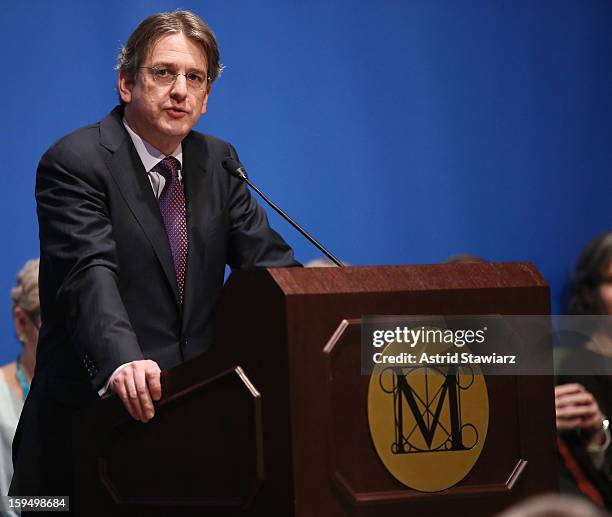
[(236, 169)]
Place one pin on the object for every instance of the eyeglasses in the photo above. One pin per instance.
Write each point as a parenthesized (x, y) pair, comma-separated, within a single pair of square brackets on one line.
[(165, 76)]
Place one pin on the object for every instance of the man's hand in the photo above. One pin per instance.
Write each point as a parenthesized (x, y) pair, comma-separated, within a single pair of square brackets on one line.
[(576, 407), (138, 385)]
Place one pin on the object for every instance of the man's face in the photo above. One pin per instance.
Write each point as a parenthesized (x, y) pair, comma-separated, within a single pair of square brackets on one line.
[(164, 114)]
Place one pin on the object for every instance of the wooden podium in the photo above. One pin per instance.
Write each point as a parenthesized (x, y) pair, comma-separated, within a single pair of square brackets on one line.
[(272, 421)]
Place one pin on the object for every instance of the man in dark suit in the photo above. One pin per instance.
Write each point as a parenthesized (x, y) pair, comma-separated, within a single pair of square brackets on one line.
[(137, 221)]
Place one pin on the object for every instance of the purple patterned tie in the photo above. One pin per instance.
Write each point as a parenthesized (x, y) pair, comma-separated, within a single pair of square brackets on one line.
[(172, 207)]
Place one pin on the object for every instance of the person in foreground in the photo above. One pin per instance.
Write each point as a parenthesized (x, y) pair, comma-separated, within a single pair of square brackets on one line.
[(583, 371), (15, 377), (137, 221), (582, 441)]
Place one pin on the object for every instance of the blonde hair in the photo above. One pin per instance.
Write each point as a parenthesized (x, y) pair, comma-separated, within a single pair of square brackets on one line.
[(25, 292)]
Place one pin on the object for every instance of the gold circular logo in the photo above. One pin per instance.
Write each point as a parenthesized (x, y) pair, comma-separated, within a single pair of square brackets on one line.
[(429, 417)]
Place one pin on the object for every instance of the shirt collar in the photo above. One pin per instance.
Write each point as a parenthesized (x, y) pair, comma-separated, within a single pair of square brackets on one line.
[(149, 155)]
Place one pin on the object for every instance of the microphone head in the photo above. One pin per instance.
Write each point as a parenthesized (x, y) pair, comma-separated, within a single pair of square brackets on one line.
[(235, 168)]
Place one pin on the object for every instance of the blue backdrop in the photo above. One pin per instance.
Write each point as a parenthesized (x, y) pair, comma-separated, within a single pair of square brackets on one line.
[(396, 131)]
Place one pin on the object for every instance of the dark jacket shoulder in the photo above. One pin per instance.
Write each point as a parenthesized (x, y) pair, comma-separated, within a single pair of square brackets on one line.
[(71, 148)]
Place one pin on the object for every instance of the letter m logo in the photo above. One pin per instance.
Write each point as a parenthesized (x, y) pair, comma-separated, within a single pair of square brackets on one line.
[(426, 408)]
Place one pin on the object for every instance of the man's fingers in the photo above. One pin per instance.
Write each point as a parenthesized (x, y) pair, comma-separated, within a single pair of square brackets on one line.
[(138, 384), (153, 376), (133, 398), (144, 398), (119, 387)]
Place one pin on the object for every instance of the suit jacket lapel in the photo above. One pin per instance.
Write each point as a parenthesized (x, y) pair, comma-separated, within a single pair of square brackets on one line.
[(129, 174), (198, 196)]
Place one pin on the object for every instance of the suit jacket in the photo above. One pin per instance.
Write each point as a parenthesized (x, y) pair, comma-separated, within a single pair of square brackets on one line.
[(108, 287)]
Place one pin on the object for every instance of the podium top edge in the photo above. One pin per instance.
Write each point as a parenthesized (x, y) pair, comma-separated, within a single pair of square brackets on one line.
[(389, 278)]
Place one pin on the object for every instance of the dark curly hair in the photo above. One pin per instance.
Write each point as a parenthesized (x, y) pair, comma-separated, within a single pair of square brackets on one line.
[(589, 274)]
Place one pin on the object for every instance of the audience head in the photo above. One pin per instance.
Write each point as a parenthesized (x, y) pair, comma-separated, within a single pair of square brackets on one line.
[(466, 258), (554, 505), (320, 262), (26, 304), (591, 290)]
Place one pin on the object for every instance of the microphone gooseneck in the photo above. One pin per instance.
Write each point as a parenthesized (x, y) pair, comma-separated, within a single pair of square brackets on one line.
[(236, 169)]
